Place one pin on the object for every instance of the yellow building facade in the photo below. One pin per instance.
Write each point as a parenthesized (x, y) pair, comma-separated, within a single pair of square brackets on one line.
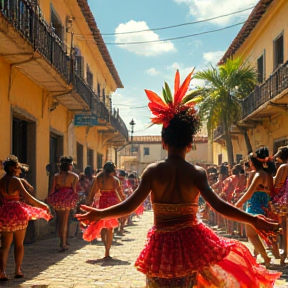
[(145, 150), (55, 88), (263, 42)]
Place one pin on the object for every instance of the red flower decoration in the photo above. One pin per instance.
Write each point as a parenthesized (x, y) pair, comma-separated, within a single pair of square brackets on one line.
[(165, 109)]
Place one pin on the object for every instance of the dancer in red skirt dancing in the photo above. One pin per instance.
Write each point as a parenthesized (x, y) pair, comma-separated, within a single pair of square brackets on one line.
[(63, 197), (105, 192), (180, 250), (15, 214)]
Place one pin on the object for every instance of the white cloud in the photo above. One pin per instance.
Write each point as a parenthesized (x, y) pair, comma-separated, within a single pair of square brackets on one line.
[(135, 108), (152, 72), (204, 9), (146, 49), (213, 57)]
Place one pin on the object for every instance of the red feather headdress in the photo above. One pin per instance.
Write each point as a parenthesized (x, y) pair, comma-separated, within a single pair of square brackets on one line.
[(165, 108)]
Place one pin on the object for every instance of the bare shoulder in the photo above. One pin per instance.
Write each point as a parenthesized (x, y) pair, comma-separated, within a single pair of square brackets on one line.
[(198, 171), (73, 174), (199, 168), (283, 167), (116, 179), (15, 179), (153, 167)]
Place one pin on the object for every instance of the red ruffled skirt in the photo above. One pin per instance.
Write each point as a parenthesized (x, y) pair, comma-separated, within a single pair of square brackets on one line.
[(63, 199), (189, 254), (139, 210), (14, 215), (107, 199)]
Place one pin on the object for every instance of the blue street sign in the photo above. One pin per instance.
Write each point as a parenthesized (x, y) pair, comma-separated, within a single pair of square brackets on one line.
[(85, 120)]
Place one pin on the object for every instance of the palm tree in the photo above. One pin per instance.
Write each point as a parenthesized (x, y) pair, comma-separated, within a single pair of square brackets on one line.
[(225, 86)]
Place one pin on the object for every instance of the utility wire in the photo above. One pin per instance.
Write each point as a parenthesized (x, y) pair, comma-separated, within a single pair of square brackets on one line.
[(175, 38), (178, 25), (130, 106)]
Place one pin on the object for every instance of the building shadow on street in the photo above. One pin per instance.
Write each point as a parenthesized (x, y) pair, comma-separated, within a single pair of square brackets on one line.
[(38, 257)]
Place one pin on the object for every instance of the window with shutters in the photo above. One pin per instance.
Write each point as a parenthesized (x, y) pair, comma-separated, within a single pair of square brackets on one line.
[(99, 160), (146, 151), (278, 51), (89, 77), (98, 91), (79, 66), (261, 69), (56, 24), (90, 157)]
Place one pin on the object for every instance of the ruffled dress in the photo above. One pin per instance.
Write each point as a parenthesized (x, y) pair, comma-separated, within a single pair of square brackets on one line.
[(258, 203), (106, 199), (15, 214), (139, 210), (280, 200), (181, 251), (63, 198)]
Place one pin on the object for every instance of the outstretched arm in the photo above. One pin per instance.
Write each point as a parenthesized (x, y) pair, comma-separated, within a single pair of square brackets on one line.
[(124, 208), (28, 186), (28, 197)]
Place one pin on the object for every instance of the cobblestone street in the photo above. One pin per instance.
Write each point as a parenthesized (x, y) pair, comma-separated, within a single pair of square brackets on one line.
[(82, 265)]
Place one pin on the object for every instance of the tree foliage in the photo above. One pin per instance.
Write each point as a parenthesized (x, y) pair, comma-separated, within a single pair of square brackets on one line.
[(225, 87)]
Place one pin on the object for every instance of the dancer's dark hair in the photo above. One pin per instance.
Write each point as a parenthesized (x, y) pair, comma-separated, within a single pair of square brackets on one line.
[(181, 129), (260, 160), (10, 161), (223, 170), (282, 153), (237, 169), (109, 167), (65, 162)]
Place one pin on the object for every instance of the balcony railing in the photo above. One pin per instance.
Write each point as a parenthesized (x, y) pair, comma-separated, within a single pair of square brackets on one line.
[(83, 89), (219, 131), (88, 95), (21, 15), (273, 86), (119, 124)]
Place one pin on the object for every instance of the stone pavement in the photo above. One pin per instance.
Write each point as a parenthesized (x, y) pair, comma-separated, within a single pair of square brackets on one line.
[(82, 265)]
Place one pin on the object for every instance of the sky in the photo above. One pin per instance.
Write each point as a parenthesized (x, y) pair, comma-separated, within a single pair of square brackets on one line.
[(148, 64)]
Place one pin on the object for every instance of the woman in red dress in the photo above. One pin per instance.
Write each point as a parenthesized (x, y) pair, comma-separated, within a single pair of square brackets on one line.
[(105, 192), (180, 251), (15, 214), (63, 197)]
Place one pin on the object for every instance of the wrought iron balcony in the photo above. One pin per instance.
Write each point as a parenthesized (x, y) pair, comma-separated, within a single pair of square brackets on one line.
[(218, 132), (119, 124), (26, 20), (23, 16), (273, 86)]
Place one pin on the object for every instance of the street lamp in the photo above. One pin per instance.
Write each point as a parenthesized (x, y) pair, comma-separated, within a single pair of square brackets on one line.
[(132, 123)]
